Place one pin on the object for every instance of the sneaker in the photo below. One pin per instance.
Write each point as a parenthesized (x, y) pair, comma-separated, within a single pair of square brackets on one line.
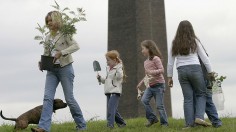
[(80, 129), (37, 130), (148, 124), (202, 122), (121, 125), (110, 126), (164, 125), (216, 125)]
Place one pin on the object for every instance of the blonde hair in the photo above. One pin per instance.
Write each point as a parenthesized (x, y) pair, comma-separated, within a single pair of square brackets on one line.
[(56, 18), (115, 55)]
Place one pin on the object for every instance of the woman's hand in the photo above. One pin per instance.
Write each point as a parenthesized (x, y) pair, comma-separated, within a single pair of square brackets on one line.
[(170, 82), (98, 77), (57, 56)]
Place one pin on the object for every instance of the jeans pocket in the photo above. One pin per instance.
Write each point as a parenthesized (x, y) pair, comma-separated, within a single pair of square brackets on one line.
[(161, 88)]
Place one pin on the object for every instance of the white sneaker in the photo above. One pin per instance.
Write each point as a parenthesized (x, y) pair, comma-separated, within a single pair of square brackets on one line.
[(202, 122)]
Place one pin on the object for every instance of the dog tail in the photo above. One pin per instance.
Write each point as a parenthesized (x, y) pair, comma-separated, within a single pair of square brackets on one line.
[(3, 117)]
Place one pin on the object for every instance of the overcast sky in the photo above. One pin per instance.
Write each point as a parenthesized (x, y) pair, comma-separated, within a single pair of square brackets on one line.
[(22, 85)]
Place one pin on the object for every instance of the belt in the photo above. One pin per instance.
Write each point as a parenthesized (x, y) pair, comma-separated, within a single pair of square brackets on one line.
[(56, 66)]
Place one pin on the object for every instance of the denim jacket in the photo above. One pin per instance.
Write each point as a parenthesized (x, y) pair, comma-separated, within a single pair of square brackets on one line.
[(66, 45)]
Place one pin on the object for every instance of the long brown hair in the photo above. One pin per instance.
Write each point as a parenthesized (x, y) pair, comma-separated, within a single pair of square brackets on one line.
[(152, 48), (184, 42), (115, 55)]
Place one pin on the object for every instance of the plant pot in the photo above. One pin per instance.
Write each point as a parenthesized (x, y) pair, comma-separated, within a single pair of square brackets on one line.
[(46, 62)]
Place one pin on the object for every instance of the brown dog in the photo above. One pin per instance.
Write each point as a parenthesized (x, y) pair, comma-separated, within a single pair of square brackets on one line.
[(32, 116)]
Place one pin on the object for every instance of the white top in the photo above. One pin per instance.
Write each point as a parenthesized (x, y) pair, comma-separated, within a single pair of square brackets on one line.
[(54, 51), (113, 81), (191, 59)]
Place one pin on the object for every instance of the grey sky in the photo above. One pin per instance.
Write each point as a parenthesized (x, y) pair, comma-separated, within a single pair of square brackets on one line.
[(22, 84)]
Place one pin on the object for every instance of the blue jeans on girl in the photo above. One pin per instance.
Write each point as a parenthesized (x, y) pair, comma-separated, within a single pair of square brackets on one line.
[(112, 111), (158, 93), (193, 85), (65, 75)]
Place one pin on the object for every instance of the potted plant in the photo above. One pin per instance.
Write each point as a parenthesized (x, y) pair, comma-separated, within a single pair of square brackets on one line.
[(69, 18)]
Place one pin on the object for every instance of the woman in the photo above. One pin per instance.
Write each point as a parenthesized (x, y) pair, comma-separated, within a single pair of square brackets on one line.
[(61, 73), (186, 49)]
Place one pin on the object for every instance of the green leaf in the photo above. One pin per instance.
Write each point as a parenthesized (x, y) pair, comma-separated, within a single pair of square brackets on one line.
[(55, 7), (39, 25), (41, 42), (72, 12), (74, 20), (57, 4), (38, 38), (65, 9), (79, 9), (82, 19)]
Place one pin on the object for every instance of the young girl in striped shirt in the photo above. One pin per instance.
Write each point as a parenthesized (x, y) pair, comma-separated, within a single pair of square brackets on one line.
[(155, 83)]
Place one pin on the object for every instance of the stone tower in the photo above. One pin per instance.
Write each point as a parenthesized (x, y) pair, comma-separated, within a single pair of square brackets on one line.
[(130, 22)]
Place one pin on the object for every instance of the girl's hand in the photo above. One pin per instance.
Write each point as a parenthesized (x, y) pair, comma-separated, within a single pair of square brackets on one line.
[(147, 72), (211, 76), (99, 79), (139, 86), (170, 82), (57, 56)]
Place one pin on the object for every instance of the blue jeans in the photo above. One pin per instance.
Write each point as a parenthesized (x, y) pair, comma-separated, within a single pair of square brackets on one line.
[(112, 111), (193, 85), (158, 93), (64, 75), (211, 110)]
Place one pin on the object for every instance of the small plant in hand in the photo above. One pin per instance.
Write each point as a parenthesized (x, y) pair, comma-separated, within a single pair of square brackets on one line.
[(216, 88), (219, 78), (69, 18)]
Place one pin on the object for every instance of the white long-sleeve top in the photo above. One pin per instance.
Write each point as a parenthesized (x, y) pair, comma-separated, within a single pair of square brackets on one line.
[(191, 59)]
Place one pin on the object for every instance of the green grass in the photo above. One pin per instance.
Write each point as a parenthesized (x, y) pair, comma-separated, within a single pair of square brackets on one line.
[(135, 125)]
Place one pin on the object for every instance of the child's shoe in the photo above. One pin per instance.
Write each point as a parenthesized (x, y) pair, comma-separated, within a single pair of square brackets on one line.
[(148, 124), (121, 125)]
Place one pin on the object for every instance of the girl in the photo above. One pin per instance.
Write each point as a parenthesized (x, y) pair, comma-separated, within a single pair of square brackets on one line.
[(61, 73), (113, 88), (154, 82), (186, 49)]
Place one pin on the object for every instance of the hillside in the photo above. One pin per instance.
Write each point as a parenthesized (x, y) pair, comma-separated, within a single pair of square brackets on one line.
[(135, 125)]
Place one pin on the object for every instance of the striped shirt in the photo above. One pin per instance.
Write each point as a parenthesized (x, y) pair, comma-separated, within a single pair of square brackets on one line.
[(154, 69)]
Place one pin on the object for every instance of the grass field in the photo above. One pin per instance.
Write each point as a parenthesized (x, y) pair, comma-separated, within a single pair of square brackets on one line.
[(135, 125)]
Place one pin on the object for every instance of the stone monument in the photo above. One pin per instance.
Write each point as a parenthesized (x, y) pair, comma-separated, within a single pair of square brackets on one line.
[(130, 22)]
